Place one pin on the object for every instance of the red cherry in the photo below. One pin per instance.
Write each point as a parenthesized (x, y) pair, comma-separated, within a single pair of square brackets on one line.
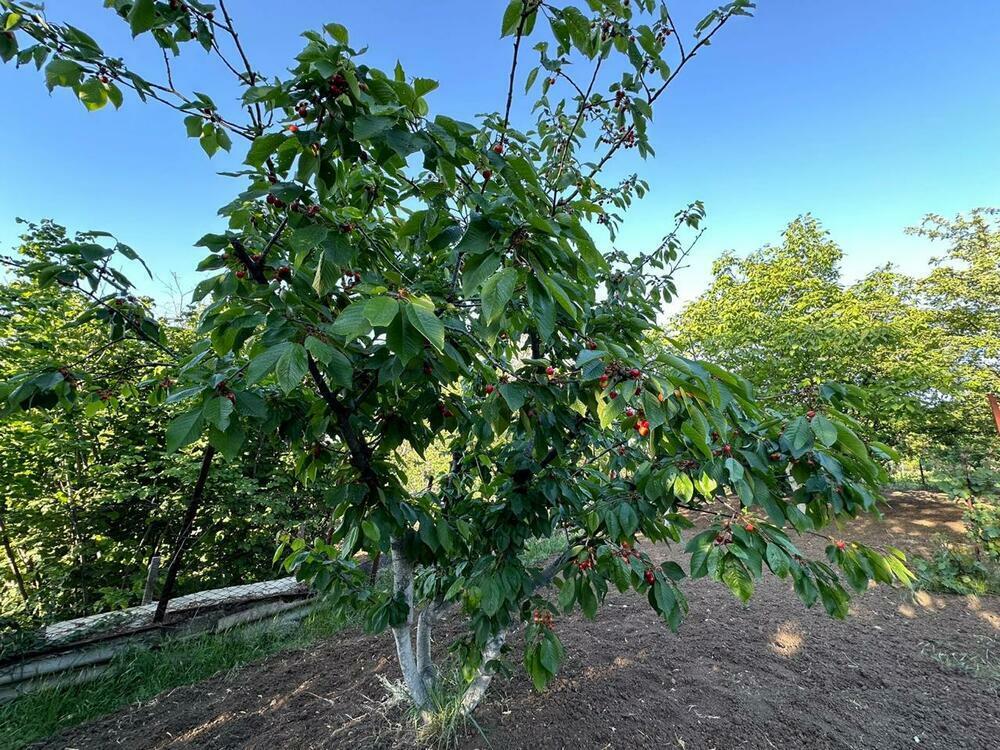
[(810, 414), (727, 449), (613, 394), (750, 528), (498, 149), (241, 274), (775, 456), (592, 345), (487, 174), (293, 128), (635, 372), (489, 389), (841, 545), (550, 371), (650, 576)]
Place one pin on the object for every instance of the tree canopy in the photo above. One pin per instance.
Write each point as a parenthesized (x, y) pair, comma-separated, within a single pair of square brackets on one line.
[(389, 280)]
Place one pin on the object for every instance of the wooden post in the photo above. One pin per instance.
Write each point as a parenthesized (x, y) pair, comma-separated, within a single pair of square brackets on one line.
[(151, 575), (995, 407)]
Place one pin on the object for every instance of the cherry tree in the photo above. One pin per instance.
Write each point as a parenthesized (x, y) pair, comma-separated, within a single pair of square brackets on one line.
[(394, 280)]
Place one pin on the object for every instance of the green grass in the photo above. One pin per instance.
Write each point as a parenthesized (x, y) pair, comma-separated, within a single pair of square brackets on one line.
[(141, 673), (541, 549)]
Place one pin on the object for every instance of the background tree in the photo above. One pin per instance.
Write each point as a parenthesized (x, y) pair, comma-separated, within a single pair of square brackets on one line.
[(402, 280), (924, 349), (90, 492)]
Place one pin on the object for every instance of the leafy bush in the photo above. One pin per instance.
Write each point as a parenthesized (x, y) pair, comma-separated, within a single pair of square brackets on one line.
[(983, 523), (953, 570), (969, 568)]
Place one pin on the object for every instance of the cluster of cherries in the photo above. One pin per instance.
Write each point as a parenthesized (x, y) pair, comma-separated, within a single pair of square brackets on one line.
[(338, 85), (543, 618), (587, 564)]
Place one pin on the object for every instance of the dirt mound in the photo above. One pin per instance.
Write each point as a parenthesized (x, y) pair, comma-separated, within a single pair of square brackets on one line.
[(768, 675)]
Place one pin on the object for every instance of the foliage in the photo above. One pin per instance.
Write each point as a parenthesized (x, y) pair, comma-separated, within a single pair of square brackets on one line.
[(982, 520), (924, 349), (954, 570), (90, 492), (389, 281), (970, 568)]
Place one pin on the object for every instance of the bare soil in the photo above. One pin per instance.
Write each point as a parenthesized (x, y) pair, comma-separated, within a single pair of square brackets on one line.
[(768, 675)]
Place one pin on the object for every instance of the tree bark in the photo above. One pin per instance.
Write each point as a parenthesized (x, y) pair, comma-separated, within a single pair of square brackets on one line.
[(484, 676), (152, 573), (12, 560), (402, 575), (188, 524)]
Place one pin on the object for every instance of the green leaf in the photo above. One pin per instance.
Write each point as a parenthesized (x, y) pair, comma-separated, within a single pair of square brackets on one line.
[(184, 429), (477, 237), (228, 443), (496, 293), (62, 72), (291, 368), (371, 531), (142, 16), (824, 430), (381, 311), (327, 274), (92, 94), (261, 148), (425, 321), (217, 411), (351, 323), (558, 293), (736, 577), (261, 365), (369, 126), (684, 487), (511, 18), (799, 436), (850, 441), (513, 394)]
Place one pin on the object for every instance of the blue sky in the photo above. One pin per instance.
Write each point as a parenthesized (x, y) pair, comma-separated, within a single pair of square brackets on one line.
[(867, 114)]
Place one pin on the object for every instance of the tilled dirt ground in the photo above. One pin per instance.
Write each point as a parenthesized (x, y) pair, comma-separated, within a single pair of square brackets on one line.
[(768, 675)]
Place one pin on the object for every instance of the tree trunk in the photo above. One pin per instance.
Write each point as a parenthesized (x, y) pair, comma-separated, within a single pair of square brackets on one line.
[(188, 524), (12, 560), (402, 575), (484, 676), (152, 573), (923, 479)]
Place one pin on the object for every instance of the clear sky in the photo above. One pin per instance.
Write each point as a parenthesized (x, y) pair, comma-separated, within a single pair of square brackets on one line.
[(867, 113)]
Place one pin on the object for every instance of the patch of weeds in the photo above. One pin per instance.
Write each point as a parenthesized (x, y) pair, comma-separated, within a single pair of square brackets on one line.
[(953, 570)]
